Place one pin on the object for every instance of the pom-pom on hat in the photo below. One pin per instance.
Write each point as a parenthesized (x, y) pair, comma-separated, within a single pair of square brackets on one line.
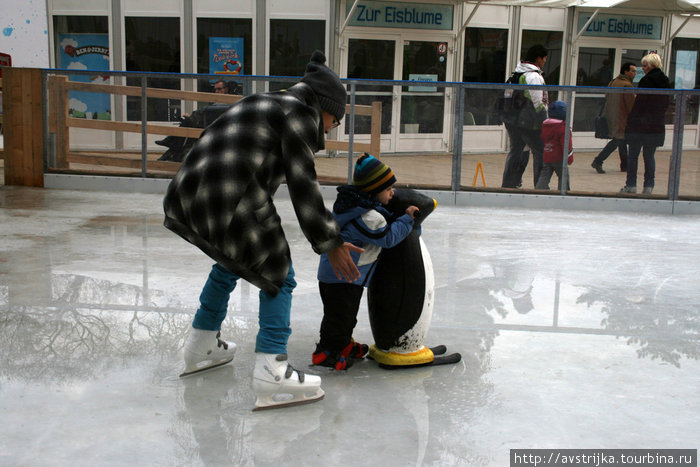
[(330, 91), (557, 109), (372, 175)]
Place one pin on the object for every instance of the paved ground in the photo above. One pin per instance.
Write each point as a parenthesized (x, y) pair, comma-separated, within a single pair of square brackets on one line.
[(436, 170), (578, 330)]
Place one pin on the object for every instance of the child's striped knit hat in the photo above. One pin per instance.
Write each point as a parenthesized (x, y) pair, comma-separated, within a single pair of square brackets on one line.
[(372, 175)]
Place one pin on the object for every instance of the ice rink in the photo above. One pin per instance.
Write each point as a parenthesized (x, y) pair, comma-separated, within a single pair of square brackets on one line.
[(578, 329)]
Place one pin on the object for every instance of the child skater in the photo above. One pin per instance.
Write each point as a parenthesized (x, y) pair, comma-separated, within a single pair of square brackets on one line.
[(553, 138), (363, 222)]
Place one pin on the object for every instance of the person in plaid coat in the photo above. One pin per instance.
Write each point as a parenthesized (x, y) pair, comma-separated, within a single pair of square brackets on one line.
[(221, 200)]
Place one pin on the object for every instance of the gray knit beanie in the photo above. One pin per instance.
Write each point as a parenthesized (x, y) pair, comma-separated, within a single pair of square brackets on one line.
[(330, 91)]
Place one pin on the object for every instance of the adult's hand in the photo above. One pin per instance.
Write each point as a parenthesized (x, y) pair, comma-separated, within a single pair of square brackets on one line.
[(342, 262)]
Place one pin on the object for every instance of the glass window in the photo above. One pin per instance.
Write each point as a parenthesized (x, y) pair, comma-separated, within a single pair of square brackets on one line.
[(633, 56), (292, 41), (223, 27), (76, 25), (372, 59), (423, 106), (485, 61), (553, 41), (153, 44), (594, 68), (683, 73)]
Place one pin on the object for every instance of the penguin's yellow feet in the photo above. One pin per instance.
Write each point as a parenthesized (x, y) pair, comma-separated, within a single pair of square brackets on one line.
[(423, 356)]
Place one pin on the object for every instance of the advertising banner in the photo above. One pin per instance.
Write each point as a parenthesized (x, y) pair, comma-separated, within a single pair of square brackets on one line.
[(226, 55), (86, 52)]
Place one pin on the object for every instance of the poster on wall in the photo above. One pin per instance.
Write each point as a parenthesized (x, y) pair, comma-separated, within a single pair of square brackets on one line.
[(686, 61), (5, 60), (86, 52), (226, 55)]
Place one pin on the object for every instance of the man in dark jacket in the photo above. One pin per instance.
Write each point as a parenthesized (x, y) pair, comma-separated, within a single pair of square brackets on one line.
[(646, 127), (617, 108), (221, 201)]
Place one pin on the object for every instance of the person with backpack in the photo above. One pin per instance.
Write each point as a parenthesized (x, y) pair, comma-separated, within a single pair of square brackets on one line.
[(523, 114)]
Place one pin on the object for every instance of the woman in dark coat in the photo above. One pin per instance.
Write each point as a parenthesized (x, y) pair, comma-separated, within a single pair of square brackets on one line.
[(645, 125)]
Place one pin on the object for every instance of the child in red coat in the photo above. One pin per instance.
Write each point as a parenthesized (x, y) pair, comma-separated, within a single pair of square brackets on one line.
[(553, 131)]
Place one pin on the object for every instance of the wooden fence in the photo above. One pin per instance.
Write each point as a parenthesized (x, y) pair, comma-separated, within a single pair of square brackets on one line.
[(60, 123), (24, 145)]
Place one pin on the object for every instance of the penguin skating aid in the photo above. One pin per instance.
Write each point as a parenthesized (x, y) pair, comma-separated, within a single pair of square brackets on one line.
[(401, 294)]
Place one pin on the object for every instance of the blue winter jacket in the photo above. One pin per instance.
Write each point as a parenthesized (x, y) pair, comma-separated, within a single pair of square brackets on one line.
[(364, 223)]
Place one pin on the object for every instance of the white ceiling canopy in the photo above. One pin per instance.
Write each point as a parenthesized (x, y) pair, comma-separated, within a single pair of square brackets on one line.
[(677, 6)]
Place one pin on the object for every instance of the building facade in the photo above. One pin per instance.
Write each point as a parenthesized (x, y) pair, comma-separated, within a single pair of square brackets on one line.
[(443, 41)]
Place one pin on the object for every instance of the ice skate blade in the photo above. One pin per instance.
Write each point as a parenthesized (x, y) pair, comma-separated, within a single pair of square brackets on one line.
[(206, 368), (269, 403)]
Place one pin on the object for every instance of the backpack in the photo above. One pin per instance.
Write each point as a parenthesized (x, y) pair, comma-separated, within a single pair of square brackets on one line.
[(512, 101)]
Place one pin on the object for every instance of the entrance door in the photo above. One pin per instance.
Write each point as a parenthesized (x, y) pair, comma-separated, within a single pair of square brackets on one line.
[(597, 66), (373, 58), (423, 118), (414, 118)]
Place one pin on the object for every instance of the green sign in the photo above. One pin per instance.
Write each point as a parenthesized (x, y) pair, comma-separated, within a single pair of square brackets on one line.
[(630, 27), (401, 15)]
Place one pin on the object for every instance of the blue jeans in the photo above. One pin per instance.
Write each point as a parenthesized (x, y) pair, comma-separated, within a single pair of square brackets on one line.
[(648, 149), (273, 314)]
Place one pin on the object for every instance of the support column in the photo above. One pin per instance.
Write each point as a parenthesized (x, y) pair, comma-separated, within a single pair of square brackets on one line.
[(23, 126)]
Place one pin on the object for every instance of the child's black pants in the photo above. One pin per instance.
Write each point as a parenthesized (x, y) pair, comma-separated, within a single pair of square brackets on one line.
[(341, 303)]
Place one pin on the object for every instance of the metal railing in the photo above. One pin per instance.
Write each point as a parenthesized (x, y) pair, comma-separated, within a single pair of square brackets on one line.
[(460, 118)]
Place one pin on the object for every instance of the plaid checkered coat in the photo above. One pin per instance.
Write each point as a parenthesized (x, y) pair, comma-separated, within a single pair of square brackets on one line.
[(221, 198)]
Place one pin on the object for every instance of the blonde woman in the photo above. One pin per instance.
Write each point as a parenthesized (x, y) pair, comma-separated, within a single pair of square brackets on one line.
[(645, 124)]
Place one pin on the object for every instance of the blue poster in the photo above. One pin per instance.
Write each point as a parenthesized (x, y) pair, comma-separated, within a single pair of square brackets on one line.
[(86, 52), (226, 55)]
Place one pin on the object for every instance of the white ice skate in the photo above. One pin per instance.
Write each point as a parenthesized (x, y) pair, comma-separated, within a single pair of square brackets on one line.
[(204, 350), (277, 384)]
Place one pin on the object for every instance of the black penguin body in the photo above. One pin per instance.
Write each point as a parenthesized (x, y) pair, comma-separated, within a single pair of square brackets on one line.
[(400, 293)]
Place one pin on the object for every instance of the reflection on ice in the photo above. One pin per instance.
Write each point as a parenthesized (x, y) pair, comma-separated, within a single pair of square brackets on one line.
[(560, 317)]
